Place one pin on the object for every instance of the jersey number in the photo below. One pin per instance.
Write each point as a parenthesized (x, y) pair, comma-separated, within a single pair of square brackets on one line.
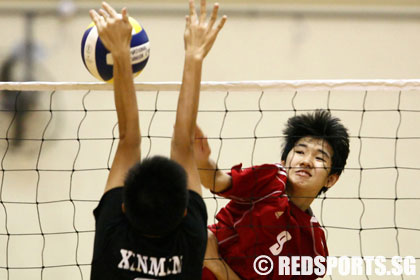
[(282, 238)]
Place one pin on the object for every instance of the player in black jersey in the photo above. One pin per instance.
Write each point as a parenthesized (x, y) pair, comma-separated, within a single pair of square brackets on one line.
[(151, 221)]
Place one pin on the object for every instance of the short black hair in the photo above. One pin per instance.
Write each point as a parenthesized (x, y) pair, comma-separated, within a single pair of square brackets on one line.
[(320, 125), (155, 195)]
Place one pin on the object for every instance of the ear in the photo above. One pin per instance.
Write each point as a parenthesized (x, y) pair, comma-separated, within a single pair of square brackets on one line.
[(185, 212), (123, 207), (283, 163), (332, 179)]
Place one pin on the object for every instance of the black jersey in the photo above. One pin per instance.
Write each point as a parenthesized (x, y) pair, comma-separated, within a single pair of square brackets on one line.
[(120, 252)]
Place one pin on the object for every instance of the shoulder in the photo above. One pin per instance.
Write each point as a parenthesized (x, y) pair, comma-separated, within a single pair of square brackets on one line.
[(109, 220), (265, 168), (196, 206), (110, 199), (263, 173), (194, 224), (194, 236), (108, 214)]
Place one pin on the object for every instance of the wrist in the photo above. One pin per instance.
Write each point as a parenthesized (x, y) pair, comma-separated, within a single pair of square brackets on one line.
[(121, 53), (189, 55), (205, 164)]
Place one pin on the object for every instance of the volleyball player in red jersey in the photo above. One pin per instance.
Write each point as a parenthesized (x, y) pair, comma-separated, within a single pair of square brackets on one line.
[(269, 210)]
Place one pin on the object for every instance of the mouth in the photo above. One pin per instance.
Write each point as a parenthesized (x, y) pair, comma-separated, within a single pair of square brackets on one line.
[(303, 173)]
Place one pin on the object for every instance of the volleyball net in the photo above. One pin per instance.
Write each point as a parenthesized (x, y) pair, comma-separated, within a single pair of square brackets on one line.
[(56, 151)]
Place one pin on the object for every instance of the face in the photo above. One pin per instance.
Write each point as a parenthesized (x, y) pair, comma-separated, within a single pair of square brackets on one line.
[(308, 166)]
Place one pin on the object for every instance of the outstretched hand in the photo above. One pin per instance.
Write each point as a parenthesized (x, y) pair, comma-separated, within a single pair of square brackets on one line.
[(202, 149), (113, 29), (200, 34)]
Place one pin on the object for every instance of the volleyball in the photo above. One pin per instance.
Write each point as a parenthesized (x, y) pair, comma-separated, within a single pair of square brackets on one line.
[(98, 60)]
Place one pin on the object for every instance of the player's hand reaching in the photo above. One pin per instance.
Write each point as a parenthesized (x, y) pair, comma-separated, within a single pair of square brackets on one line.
[(200, 34), (202, 149), (114, 29)]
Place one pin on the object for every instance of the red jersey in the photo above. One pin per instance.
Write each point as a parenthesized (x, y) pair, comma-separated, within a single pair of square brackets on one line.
[(261, 220)]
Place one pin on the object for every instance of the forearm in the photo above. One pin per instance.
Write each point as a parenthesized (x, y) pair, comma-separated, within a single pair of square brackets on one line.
[(125, 98), (182, 146), (128, 150), (188, 102), (213, 178)]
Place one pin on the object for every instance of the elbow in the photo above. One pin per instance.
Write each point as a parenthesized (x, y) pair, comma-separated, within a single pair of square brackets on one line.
[(182, 140), (130, 140), (183, 145)]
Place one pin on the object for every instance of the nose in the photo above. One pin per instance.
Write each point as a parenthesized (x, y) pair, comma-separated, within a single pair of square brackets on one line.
[(306, 161)]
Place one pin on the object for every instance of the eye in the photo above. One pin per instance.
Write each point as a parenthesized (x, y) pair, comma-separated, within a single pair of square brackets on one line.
[(321, 159), (299, 152)]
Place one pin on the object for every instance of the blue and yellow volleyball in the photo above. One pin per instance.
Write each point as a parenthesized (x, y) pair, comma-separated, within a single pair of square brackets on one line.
[(98, 60)]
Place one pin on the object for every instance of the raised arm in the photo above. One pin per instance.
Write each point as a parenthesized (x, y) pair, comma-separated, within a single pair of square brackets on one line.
[(199, 37), (211, 177), (115, 33)]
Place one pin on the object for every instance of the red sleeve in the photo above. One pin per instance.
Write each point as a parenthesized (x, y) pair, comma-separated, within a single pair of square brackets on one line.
[(256, 182)]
